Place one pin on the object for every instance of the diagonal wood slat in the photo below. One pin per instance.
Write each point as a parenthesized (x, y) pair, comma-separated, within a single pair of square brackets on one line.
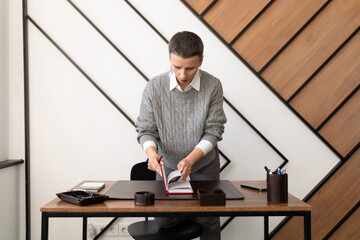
[(343, 131), (307, 52), (312, 47), (330, 203), (317, 100), (228, 18), (199, 6), (273, 29), (349, 230)]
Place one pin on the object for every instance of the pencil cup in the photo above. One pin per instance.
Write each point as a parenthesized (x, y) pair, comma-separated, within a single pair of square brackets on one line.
[(277, 188)]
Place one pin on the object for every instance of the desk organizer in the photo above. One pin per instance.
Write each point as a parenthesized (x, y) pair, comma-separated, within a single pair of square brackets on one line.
[(82, 197), (144, 198), (277, 188), (211, 198)]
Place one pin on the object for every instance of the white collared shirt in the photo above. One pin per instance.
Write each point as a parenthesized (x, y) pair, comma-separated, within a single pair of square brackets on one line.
[(195, 83), (204, 145)]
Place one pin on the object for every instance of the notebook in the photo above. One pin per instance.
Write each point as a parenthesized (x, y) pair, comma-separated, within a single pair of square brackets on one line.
[(92, 186)]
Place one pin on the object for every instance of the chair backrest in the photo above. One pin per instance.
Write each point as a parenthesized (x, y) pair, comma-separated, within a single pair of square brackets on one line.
[(140, 171)]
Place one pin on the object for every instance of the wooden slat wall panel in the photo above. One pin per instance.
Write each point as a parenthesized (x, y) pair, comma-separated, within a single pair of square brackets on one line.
[(229, 17), (199, 6), (330, 204), (349, 230), (317, 100), (273, 29), (313, 46), (343, 131)]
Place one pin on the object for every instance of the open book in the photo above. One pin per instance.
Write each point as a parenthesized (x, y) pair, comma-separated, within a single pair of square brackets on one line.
[(172, 185)]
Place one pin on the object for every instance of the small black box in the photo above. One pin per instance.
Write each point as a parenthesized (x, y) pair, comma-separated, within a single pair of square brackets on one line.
[(211, 198)]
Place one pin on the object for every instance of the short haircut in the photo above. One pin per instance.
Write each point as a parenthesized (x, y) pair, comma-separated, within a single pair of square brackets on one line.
[(186, 45)]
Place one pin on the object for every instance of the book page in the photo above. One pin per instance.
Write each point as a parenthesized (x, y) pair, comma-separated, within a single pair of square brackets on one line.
[(174, 176), (180, 187), (171, 183)]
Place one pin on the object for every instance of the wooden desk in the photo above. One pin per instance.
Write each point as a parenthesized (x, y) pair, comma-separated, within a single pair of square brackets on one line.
[(254, 204)]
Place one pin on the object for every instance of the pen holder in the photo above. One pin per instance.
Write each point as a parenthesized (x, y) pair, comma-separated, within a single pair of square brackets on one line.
[(277, 188)]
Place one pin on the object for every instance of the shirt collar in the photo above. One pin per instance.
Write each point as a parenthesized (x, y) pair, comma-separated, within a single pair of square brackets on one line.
[(195, 83)]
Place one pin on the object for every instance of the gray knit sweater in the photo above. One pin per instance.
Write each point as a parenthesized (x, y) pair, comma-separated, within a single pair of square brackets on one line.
[(177, 121)]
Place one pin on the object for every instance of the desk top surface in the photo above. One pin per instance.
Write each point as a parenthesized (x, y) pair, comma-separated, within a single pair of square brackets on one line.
[(254, 201)]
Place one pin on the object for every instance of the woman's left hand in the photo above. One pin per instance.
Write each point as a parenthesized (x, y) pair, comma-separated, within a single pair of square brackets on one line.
[(184, 166)]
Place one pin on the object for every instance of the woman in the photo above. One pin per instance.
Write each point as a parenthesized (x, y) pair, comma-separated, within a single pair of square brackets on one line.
[(182, 119)]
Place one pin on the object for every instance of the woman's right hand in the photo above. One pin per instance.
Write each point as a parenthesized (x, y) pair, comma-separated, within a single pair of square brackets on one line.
[(154, 163), (154, 158)]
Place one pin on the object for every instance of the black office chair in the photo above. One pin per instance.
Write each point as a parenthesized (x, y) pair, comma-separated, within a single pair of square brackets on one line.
[(148, 229)]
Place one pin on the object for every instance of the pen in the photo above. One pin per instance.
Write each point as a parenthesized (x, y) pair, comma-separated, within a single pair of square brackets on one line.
[(268, 170), (278, 172), (283, 171)]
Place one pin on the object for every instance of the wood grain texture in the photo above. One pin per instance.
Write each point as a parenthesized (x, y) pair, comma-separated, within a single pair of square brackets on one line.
[(349, 230), (313, 46), (229, 17), (330, 204), (254, 201), (199, 6), (343, 131), (273, 29), (319, 98), (331, 85)]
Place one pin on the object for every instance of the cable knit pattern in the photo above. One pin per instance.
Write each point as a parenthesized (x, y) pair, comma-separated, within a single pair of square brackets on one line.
[(177, 121)]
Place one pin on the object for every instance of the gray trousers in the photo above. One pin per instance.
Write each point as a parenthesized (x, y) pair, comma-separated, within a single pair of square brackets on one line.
[(211, 225)]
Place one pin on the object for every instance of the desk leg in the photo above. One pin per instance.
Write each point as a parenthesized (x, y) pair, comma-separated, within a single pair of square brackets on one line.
[(266, 227), (44, 226), (84, 228), (307, 226)]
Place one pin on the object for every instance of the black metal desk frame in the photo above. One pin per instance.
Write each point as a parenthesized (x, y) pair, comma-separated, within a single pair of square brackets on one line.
[(265, 214)]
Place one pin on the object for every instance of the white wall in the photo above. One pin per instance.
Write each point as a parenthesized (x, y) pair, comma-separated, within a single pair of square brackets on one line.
[(7, 207), (16, 106), (10, 201), (4, 81), (11, 179), (76, 134)]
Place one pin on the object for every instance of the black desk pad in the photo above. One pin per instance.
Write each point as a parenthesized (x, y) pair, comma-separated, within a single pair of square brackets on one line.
[(125, 190)]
